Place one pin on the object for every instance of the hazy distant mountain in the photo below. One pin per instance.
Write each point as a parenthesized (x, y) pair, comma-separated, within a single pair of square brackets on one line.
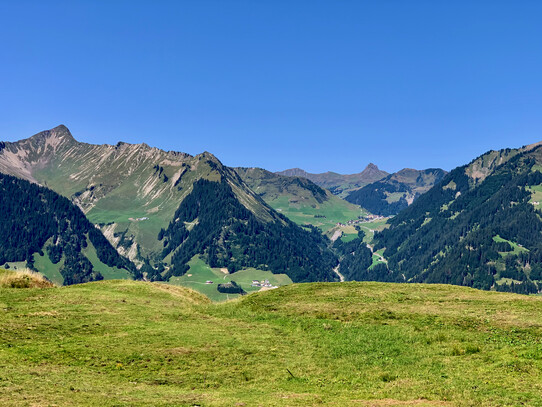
[(162, 208), (481, 226), (396, 191), (339, 183)]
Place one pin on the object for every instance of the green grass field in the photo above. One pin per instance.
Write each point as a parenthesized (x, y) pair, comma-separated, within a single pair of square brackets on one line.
[(377, 257), (46, 267), (536, 194), (108, 273), (350, 232), (335, 210), (517, 249), (127, 343), (200, 272)]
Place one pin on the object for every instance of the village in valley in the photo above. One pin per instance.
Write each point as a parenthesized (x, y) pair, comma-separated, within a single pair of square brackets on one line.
[(364, 219)]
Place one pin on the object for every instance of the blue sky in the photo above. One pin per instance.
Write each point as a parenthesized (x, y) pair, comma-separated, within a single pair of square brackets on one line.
[(321, 85)]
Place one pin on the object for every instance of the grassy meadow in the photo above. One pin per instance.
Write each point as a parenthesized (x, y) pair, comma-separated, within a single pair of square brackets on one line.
[(127, 343), (330, 212), (199, 273)]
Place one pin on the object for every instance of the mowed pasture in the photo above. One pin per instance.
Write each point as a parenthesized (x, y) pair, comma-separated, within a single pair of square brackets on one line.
[(128, 343), (200, 273)]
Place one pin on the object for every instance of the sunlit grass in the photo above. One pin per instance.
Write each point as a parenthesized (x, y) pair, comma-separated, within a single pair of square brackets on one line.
[(131, 343)]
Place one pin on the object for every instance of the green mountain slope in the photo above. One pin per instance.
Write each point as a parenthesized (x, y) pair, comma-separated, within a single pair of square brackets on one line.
[(118, 186), (126, 343), (299, 199), (231, 236), (480, 226), (396, 191), (133, 192), (339, 184), (34, 220)]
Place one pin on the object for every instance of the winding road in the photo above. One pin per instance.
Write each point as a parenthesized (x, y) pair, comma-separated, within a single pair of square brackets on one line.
[(336, 271)]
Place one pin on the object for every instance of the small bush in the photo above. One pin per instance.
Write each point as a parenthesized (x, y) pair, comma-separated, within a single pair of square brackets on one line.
[(457, 351), (470, 349), (387, 377)]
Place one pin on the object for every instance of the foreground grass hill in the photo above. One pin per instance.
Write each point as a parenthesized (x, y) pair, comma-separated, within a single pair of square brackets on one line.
[(127, 343)]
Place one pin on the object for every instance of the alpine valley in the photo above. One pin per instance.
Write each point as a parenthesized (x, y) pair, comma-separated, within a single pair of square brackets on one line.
[(78, 212), (131, 231)]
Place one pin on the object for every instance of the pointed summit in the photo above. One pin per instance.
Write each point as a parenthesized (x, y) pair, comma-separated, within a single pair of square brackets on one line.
[(58, 133), (372, 173)]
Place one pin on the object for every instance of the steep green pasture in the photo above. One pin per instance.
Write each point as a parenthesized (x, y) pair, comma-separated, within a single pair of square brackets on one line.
[(377, 258), (516, 249), (52, 271), (335, 210), (536, 194), (108, 273), (200, 273), (46, 267), (126, 343)]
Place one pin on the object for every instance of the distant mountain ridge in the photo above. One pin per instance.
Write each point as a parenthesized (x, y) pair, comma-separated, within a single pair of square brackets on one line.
[(339, 183), (299, 198), (396, 191)]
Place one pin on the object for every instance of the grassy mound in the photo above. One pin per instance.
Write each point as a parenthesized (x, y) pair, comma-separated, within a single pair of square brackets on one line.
[(23, 279), (131, 343)]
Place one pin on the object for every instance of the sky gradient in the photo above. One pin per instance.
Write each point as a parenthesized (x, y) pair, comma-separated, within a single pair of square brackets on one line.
[(321, 85)]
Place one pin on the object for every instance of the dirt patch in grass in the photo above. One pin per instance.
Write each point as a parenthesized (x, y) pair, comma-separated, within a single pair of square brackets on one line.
[(392, 402)]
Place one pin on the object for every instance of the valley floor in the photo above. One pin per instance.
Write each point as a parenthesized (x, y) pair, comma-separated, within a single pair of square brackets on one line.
[(116, 343)]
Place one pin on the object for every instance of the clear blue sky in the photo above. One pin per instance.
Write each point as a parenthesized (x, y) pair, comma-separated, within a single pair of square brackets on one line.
[(322, 85)]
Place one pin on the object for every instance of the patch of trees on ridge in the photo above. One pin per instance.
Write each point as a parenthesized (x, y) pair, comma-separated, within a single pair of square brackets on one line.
[(30, 215), (230, 287), (228, 235)]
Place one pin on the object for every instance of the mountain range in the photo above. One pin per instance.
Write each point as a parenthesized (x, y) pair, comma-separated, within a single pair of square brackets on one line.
[(339, 184), (160, 209), (396, 191), (134, 211)]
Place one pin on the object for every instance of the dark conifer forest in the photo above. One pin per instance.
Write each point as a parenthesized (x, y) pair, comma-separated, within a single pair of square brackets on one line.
[(462, 233), (34, 218), (229, 235)]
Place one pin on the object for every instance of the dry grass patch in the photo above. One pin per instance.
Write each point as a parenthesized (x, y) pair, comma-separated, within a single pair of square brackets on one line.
[(23, 279)]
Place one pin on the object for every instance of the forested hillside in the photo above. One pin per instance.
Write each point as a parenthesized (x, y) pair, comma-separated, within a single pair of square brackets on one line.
[(356, 261), (480, 227), (392, 194), (211, 221), (34, 219)]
